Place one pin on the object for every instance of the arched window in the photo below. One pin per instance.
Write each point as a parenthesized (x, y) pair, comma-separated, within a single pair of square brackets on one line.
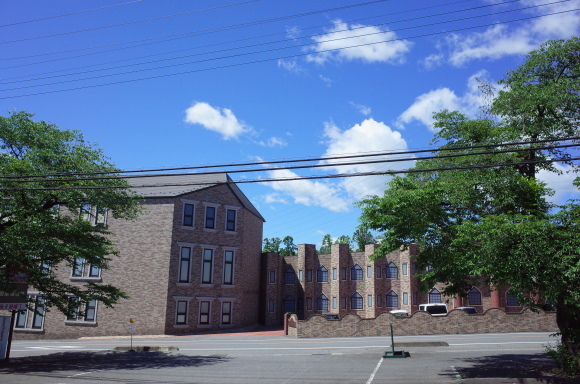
[(474, 297), (392, 299), (289, 304), (322, 275), (356, 272), (434, 296), (392, 271), (512, 301), (322, 303), (289, 276), (356, 301)]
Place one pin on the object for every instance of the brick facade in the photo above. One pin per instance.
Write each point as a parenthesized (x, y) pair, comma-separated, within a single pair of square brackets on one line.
[(148, 267), (355, 285)]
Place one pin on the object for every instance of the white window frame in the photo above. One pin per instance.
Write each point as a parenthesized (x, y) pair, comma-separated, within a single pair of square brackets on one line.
[(187, 300), (235, 209), (206, 206), (230, 301), (233, 278), (272, 277), (82, 307), (191, 247), (200, 301), (212, 270), (190, 202), (85, 269), (30, 315), (271, 306)]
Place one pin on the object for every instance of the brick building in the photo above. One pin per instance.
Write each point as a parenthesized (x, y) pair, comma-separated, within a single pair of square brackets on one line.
[(344, 283), (190, 262)]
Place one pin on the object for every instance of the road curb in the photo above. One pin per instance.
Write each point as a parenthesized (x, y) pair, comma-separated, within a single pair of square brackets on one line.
[(146, 349)]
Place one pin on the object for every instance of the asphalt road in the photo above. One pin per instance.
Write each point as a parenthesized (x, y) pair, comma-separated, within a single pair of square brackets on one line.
[(487, 358)]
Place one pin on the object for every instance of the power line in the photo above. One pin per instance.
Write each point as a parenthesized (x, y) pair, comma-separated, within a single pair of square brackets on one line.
[(68, 14), (130, 22), (21, 178), (253, 46), (275, 58), (299, 178), (230, 27)]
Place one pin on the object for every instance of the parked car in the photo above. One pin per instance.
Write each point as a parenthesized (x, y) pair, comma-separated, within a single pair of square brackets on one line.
[(468, 310), (438, 309), (400, 313)]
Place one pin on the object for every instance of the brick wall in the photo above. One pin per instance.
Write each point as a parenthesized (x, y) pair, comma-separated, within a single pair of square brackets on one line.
[(422, 323)]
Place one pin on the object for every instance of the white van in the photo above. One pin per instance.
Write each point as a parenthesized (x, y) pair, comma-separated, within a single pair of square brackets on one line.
[(438, 309)]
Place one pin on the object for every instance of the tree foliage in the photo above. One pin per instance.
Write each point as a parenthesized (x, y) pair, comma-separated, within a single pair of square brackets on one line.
[(362, 237), (290, 248), (477, 224), (41, 231), (272, 245)]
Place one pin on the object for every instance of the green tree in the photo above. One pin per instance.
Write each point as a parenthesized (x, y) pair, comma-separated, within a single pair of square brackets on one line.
[(272, 245), (362, 237), (41, 230), (326, 243), (289, 247), (492, 225), (344, 239)]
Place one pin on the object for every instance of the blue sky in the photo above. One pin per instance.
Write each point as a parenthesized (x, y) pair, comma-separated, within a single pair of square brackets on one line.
[(176, 83)]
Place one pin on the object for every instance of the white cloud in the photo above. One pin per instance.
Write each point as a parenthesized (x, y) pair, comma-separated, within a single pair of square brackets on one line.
[(503, 40), (362, 108), (326, 80), (220, 120), (272, 198), (425, 105), (369, 44), (367, 137), (560, 183), (291, 66), (273, 142), (308, 192)]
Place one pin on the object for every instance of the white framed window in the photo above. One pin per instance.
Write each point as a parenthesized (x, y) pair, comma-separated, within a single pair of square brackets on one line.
[(184, 271), (378, 272), (80, 269), (94, 215), (181, 312), (33, 319), (80, 312), (405, 298), (228, 268), (300, 275), (309, 275), (369, 301), (204, 312), (404, 269), (379, 301), (226, 315), (271, 306), (207, 266), (356, 301), (188, 213), (392, 299), (272, 277), (210, 216), (369, 271), (334, 302), (231, 224), (334, 274)]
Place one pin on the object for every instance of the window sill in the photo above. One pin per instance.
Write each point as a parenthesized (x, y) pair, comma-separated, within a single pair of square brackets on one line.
[(187, 227), (184, 284), (231, 232), (210, 230), (86, 278), (228, 285), (81, 323), (28, 330), (206, 285), (181, 326)]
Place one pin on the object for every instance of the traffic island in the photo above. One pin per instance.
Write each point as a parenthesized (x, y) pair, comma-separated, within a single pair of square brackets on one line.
[(146, 349)]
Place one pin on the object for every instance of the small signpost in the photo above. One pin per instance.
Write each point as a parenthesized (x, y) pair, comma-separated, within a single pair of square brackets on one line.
[(392, 353), (132, 330)]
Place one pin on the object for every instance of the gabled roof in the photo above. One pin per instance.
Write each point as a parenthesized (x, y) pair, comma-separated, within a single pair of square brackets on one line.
[(169, 185)]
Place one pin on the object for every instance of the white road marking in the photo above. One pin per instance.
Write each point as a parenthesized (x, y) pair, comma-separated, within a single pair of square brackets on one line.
[(370, 380)]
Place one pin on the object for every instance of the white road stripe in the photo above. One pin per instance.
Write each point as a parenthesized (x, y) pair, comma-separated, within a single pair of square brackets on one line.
[(370, 380)]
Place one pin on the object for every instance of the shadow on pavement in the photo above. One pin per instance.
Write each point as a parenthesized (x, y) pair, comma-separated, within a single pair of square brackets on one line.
[(514, 366), (104, 360)]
